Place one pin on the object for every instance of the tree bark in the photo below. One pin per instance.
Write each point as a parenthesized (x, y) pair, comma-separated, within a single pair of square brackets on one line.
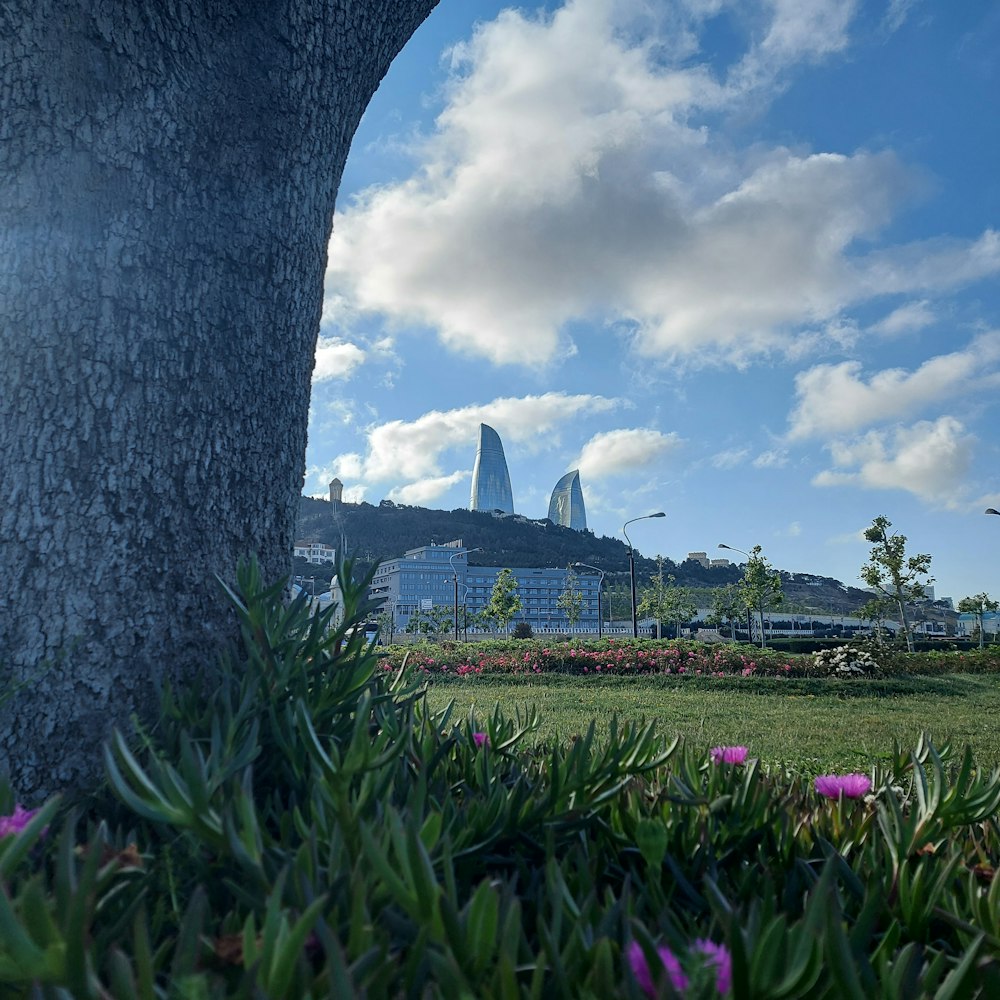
[(168, 171)]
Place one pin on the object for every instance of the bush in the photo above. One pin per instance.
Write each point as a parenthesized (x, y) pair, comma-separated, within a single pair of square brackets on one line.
[(303, 826), (522, 630)]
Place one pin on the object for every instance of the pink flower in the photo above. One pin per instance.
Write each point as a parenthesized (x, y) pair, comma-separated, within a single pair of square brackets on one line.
[(717, 955), (481, 739), (16, 821), (853, 786), (728, 755), (644, 977)]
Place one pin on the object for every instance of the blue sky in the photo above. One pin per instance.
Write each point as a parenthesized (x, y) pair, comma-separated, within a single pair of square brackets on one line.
[(734, 261)]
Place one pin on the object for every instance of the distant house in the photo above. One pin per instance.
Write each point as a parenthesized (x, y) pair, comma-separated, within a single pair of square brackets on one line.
[(315, 552)]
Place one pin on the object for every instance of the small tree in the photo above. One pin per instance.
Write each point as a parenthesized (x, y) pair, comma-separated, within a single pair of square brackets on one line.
[(980, 605), (876, 611), (504, 602), (760, 587), (894, 575), (665, 601), (727, 605), (571, 599), (436, 621)]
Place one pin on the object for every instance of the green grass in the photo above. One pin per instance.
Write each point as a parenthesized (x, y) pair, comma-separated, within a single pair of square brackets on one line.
[(813, 724)]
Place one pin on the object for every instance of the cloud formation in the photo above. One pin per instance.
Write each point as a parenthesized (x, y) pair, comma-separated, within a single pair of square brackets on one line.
[(837, 399), (336, 358), (623, 452), (928, 460), (573, 175)]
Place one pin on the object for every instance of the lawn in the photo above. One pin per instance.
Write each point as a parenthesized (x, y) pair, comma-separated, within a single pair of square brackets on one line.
[(814, 724)]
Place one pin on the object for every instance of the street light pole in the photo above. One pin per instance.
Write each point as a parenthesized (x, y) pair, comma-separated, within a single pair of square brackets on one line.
[(732, 548), (631, 566), (600, 584), (454, 577), (992, 510)]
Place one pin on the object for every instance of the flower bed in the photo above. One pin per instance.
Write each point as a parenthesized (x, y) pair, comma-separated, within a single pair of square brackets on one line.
[(677, 658)]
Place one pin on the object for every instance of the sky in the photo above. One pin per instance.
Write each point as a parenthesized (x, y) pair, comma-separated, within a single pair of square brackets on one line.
[(737, 262)]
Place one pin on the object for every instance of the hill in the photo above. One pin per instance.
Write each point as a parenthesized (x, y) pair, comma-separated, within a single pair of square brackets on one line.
[(388, 530)]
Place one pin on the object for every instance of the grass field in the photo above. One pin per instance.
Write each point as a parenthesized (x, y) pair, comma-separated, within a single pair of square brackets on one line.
[(815, 724)]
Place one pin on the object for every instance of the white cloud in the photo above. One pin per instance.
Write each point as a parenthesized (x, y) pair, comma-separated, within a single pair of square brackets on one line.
[(410, 451), (572, 175), (336, 359), (834, 399), (423, 492), (772, 459), (622, 452), (730, 458), (909, 317), (929, 459)]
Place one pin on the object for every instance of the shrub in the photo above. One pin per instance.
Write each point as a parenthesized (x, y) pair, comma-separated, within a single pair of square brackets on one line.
[(522, 630)]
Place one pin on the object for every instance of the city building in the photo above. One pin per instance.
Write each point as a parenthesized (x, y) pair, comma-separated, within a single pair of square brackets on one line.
[(566, 504), (424, 580), (315, 552), (490, 478)]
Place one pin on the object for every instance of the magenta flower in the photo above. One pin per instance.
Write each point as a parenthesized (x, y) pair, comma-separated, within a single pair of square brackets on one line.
[(481, 739), (713, 955), (17, 820), (852, 786), (643, 975), (728, 755), (717, 955)]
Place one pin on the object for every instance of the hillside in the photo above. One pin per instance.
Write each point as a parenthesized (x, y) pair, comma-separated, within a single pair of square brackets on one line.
[(388, 530)]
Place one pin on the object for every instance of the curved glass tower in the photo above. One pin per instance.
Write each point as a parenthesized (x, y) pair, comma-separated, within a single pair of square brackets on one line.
[(566, 506), (490, 478)]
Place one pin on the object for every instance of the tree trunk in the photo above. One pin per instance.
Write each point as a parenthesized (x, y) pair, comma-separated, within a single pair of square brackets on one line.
[(168, 170)]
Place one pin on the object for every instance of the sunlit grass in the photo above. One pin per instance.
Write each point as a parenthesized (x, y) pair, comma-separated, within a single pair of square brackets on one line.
[(813, 724)]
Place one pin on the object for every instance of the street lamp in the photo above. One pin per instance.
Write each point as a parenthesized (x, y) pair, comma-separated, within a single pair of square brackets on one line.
[(732, 548), (600, 583), (454, 576), (631, 566), (992, 510)]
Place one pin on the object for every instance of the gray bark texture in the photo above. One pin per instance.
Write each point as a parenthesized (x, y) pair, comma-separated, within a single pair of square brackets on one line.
[(168, 170)]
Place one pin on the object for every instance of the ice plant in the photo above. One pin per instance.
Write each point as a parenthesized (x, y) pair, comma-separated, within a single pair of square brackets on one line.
[(717, 955), (643, 975), (16, 821), (714, 956), (481, 739), (728, 755), (852, 786)]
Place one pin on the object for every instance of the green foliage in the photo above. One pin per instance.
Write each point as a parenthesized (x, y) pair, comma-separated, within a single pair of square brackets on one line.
[(306, 825), (980, 605), (665, 601), (760, 587), (571, 599), (892, 573), (504, 602)]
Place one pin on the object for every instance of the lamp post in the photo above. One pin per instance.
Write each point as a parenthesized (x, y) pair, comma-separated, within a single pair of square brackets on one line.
[(631, 566), (454, 577), (992, 510), (600, 584), (732, 548)]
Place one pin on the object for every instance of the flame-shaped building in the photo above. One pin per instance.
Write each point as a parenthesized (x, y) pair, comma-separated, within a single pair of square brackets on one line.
[(566, 505), (490, 478)]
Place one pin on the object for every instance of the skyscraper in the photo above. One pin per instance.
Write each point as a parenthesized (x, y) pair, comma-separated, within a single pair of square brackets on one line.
[(566, 506), (490, 478)]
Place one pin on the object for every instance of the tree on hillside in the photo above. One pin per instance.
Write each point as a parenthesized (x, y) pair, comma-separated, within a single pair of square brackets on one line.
[(665, 601), (571, 599), (979, 605), (168, 175), (760, 587), (894, 575), (504, 602), (877, 611)]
